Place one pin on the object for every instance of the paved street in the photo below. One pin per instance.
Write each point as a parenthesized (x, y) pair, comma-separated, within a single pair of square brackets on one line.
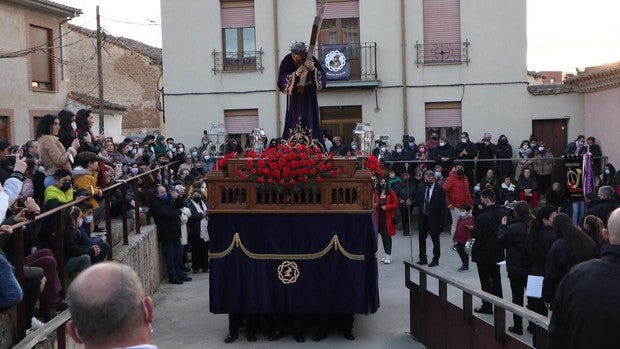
[(183, 320)]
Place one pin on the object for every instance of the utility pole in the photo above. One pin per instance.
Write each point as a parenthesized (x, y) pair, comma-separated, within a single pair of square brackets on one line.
[(99, 73)]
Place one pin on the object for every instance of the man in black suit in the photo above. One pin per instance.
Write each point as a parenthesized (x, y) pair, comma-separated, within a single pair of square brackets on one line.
[(431, 202), (487, 252)]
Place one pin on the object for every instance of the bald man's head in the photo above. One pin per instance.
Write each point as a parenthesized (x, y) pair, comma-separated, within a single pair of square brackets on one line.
[(613, 227), (106, 302)]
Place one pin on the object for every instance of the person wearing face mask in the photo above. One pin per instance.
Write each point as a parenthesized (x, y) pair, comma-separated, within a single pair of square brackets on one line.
[(543, 166), (399, 154), (67, 134), (77, 258), (85, 178), (85, 237), (431, 202), (166, 211), (526, 153), (386, 204), (486, 153), (466, 150), (61, 192), (457, 193), (462, 233), (432, 141), (596, 152), (487, 252), (443, 154), (421, 155), (576, 147), (503, 154), (198, 233)]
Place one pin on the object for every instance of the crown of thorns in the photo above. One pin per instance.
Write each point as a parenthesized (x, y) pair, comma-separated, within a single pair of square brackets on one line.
[(299, 47)]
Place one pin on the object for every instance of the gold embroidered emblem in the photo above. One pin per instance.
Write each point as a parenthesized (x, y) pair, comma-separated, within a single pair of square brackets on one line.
[(288, 272)]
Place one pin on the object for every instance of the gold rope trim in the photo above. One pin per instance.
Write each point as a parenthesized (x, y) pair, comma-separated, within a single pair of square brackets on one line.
[(335, 242)]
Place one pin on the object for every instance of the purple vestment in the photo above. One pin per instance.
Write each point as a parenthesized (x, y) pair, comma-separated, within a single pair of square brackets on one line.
[(301, 108)]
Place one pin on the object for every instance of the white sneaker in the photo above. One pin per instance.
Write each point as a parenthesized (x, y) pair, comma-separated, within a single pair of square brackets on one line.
[(383, 259), (388, 259)]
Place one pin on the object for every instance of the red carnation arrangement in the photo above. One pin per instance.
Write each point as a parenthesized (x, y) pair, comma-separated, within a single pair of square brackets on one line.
[(374, 165), (289, 166)]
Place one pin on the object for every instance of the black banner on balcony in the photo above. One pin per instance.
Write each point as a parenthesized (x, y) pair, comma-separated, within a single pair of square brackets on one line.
[(292, 264), (335, 61), (573, 165)]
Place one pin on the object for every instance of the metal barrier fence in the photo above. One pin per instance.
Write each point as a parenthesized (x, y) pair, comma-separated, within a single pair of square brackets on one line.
[(57, 324), (437, 323)]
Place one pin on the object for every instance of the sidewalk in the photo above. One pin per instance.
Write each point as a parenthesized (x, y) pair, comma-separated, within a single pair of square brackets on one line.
[(183, 320)]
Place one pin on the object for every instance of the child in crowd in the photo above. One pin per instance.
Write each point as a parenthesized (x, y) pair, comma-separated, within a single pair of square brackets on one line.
[(463, 233)]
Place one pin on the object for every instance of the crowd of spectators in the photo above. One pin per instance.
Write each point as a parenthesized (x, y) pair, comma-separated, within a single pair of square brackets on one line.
[(519, 215), (65, 162)]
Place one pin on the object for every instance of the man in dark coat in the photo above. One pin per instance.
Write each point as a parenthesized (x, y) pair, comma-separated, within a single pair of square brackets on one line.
[(466, 150), (302, 108), (586, 306), (605, 205), (486, 151), (166, 212), (487, 251), (431, 202)]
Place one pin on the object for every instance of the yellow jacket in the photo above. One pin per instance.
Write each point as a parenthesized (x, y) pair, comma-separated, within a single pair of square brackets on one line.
[(87, 180)]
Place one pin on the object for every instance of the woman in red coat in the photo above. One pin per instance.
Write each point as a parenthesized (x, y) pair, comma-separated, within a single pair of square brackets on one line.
[(386, 204)]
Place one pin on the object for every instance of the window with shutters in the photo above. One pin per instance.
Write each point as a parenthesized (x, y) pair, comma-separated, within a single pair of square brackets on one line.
[(41, 63), (238, 36), (442, 34), (239, 123), (445, 119)]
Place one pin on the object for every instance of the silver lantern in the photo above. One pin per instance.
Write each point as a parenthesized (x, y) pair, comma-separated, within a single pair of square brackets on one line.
[(364, 137), (218, 135), (257, 140)]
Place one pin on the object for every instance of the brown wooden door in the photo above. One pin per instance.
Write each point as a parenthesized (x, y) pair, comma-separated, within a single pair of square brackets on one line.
[(554, 134)]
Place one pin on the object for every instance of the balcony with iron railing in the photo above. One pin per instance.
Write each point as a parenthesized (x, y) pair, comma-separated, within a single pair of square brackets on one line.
[(442, 53), (362, 64), (247, 61)]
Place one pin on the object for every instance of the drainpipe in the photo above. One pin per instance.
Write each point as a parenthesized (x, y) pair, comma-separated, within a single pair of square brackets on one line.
[(276, 65), (61, 48), (404, 66)]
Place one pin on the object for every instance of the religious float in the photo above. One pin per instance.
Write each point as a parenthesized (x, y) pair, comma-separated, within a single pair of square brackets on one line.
[(291, 231)]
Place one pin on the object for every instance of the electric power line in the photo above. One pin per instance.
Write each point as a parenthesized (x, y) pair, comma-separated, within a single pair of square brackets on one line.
[(126, 22)]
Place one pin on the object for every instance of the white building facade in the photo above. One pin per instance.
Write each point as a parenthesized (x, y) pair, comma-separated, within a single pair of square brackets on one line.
[(415, 65)]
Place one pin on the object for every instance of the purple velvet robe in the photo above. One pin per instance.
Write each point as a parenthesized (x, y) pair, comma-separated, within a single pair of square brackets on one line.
[(301, 108)]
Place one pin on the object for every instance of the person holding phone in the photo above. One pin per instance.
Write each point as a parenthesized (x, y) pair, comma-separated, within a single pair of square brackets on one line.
[(53, 154)]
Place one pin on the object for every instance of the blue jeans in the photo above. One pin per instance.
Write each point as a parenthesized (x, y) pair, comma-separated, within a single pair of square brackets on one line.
[(578, 212), (10, 291), (173, 255)]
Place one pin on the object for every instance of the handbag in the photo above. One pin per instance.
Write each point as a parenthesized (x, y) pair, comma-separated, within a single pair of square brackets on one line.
[(469, 245)]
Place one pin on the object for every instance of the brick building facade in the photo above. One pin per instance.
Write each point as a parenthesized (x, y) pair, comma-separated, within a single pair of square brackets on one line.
[(132, 74)]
